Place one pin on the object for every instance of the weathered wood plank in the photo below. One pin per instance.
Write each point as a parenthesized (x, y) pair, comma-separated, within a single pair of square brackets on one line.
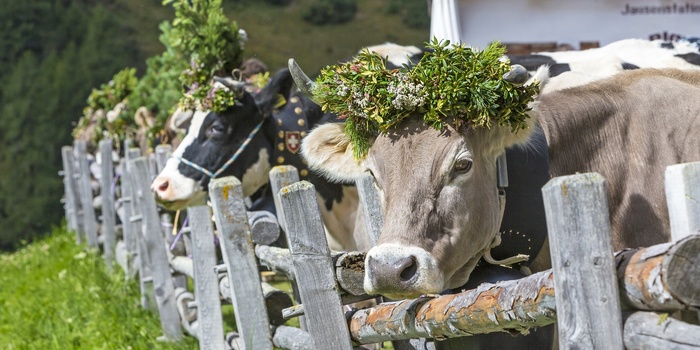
[(578, 224), (659, 277), (292, 338), (281, 176), (275, 300), (140, 252), (276, 259), (682, 183), (88, 218), (648, 330), (314, 267), (108, 213), (162, 153), (264, 228), (183, 265), (350, 272), (237, 248), (71, 190), (162, 281), (371, 207), (128, 227), (348, 266), (206, 281), (509, 305)]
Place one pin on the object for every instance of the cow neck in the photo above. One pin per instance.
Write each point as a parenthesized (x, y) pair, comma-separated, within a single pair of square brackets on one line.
[(230, 161), (523, 228)]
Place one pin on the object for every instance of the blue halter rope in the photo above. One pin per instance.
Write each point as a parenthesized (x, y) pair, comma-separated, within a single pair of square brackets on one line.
[(230, 161)]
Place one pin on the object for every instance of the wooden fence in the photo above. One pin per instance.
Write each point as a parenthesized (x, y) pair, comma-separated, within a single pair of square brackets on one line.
[(603, 300)]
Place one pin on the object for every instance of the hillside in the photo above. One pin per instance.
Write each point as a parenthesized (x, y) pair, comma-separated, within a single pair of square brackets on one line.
[(53, 54), (277, 33)]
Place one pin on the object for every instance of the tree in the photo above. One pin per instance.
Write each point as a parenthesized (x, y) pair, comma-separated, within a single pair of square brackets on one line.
[(45, 83)]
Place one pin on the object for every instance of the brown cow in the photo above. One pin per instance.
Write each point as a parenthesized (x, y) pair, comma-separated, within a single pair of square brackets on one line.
[(439, 193)]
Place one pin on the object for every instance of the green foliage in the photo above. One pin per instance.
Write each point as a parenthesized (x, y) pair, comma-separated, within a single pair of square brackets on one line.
[(202, 94), (278, 2), (331, 12), (414, 13), (58, 295), (201, 34), (451, 84), (108, 112), (43, 92), (116, 90), (159, 90)]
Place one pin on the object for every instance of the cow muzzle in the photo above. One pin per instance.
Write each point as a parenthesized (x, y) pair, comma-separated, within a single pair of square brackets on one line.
[(176, 193), (400, 272)]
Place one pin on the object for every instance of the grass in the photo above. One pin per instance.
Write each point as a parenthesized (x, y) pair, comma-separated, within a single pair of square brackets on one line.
[(55, 294)]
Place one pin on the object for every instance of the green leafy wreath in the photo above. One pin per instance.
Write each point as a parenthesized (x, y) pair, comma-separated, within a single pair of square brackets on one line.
[(451, 84)]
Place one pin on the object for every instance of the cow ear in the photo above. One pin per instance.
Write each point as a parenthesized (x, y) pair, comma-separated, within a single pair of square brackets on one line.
[(144, 118), (500, 137), (278, 89), (180, 120), (328, 151)]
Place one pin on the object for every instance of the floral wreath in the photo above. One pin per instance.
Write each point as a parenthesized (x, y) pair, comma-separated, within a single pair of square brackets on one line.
[(451, 84), (203, 94)]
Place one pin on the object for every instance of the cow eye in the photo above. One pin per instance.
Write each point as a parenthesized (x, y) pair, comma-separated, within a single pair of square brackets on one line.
[(216, 130), (463, 165)]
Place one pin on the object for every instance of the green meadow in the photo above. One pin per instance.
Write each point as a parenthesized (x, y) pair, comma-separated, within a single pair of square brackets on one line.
[(55, 294)]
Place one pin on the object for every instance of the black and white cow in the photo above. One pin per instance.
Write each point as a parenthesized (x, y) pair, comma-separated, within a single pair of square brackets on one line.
[(582, 67), (213, 138)]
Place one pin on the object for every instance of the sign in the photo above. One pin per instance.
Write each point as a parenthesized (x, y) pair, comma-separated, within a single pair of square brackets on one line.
[(568, 21)]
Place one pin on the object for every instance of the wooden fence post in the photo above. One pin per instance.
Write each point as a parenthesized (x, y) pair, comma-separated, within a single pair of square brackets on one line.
[(588, 305), (314, 268), (128, 227), (683, 198), (162, 282), (649, 330), (89, 220), (282, 176), (140, 252), (239, 256), (206, 281), (371, 209), (108, 215), (682, 183), (71, 190)]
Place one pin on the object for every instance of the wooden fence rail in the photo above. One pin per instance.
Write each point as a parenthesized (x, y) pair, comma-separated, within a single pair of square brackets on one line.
[(592, 285)]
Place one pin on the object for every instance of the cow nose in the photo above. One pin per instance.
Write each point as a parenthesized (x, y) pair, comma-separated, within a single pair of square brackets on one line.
[(394, 273), (160, 186), (399, 271)]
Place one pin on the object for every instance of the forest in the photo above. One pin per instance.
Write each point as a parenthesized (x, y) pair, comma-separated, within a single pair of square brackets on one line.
[(54, 53)]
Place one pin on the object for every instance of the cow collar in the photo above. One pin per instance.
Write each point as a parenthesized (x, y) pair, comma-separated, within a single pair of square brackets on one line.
[(228, 163), (523, 228), (502, 183)]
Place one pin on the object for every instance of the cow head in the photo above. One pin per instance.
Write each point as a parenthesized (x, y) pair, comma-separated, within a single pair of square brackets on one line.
[(213, 138), (438, 191)]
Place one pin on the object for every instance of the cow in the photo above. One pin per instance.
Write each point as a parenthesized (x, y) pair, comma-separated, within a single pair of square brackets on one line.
[(593, 64), (439, 193), (213, 138)]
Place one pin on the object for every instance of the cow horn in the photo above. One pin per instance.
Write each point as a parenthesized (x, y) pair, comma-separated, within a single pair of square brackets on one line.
[(238, 87), (518, 75), (305, 84)]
